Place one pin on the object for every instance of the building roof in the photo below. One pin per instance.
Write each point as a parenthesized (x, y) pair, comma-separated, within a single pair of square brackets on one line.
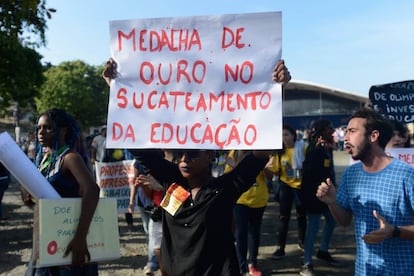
[(305, 85)]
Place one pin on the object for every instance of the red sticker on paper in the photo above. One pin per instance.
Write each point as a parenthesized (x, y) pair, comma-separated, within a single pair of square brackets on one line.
[(52, 248)]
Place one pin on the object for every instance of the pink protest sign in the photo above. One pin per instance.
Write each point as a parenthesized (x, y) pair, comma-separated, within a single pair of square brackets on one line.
[(196, 82)]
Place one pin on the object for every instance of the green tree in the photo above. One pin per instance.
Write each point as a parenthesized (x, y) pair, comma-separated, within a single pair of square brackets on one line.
[(20, 73), (79, 89), (22, 30)]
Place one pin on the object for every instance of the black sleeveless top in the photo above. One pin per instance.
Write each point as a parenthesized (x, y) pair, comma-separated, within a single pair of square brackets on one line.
[(64, 184)]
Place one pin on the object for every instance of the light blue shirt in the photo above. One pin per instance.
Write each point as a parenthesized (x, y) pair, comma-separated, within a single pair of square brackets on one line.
[(390, 192)]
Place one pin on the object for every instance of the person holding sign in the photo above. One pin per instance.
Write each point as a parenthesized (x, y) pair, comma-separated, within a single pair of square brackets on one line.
[(213, 248), (62, 159), (198, 208), (378, 195)]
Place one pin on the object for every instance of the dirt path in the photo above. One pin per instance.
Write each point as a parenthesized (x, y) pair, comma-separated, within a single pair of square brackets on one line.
[(16, 242)]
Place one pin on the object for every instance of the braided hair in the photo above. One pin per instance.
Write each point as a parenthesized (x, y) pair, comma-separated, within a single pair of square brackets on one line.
[(73, 137)]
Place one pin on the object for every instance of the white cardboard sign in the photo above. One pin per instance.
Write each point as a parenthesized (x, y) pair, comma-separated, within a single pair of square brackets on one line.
[(196, 82), (57, 222)]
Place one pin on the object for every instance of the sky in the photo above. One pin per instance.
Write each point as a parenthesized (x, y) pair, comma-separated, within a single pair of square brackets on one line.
[(347, 45)]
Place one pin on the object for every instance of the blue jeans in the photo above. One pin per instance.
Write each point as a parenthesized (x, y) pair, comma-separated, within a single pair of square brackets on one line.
[(288, 196), (312, 230), (152, 262), (248, 226)]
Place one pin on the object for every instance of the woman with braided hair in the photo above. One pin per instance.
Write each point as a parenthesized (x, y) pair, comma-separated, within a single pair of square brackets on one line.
[(63, 160)]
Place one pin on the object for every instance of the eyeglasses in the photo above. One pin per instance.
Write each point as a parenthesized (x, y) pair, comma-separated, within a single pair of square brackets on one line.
[(191, 153)]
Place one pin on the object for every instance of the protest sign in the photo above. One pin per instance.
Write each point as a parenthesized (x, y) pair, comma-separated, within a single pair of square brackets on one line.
[(404, 154), (23, 169), (196, 82), (395, 100), (114, 179), (55, 226)]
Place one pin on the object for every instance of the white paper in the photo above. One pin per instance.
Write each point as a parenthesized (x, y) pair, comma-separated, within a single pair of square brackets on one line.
[(196, 82), (58, 220), (20, 166)]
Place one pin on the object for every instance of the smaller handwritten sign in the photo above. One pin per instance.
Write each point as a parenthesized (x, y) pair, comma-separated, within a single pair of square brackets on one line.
[(394, 100), (57, 222), (114, 179)]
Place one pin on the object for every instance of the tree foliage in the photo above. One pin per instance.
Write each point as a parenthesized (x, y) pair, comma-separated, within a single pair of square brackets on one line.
[(20, 73), (25, 21), (79, 89), (22, 30)]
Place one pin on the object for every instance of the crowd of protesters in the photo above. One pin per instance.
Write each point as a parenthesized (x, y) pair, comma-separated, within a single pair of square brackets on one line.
[(214, 229)]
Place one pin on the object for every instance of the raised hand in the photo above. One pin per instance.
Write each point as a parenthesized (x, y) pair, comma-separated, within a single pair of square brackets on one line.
[(326, 192), (110, 73), (281, 73)]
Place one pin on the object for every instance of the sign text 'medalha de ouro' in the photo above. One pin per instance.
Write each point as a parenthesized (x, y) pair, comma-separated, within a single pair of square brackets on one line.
[(196, 82)]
